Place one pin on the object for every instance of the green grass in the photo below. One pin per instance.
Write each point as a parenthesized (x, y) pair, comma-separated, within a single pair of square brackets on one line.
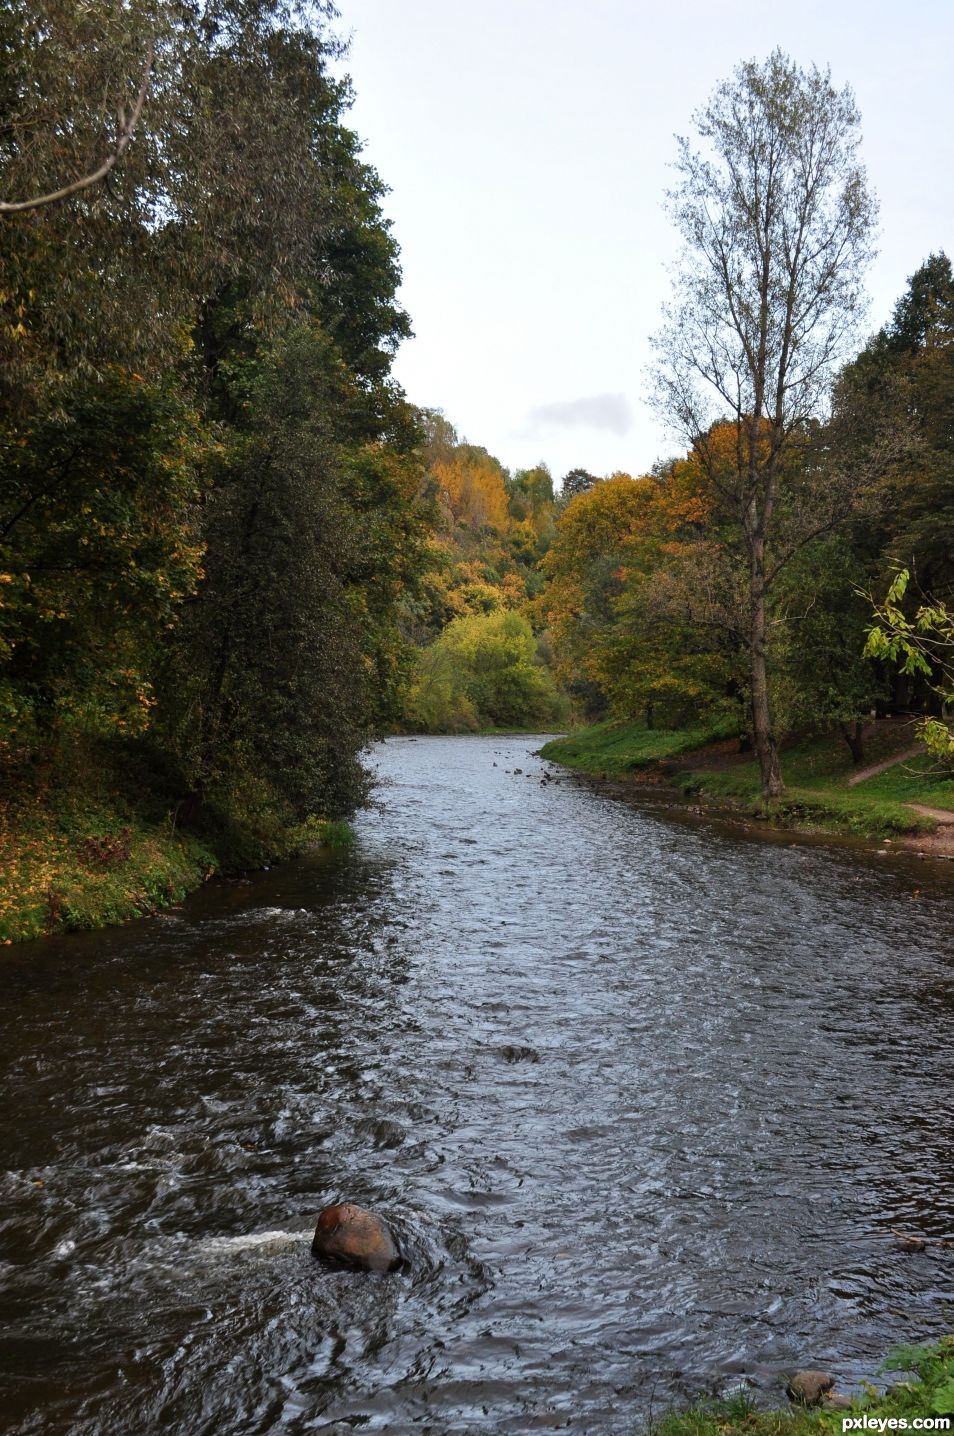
[(816, 771), (329, 832), (825, 759), (928, 1394), (821, 807), (817, 794), (614, 749), (916, 780)]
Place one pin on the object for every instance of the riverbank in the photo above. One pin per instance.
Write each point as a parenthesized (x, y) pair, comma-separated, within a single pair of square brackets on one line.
[(926, 1394), (91, 840), (890, 794)]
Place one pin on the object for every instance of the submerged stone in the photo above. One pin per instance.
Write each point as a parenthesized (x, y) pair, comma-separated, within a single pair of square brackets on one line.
[(352, 1237)]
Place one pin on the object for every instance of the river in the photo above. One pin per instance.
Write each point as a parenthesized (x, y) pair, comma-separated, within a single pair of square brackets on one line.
[(642, 1097)]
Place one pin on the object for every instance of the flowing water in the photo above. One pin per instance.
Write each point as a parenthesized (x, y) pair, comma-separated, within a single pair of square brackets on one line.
[(642, 1099)]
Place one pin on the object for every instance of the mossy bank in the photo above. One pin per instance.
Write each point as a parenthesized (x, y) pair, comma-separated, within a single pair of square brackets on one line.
[(90, 839)]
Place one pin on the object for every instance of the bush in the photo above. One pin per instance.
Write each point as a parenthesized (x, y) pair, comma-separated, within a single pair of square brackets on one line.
[(483, 672)]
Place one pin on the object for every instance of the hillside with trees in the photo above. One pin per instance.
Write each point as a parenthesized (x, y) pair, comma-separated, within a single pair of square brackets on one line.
[(480, 660)]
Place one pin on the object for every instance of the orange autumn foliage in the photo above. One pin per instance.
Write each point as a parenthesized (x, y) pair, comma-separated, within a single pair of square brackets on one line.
[(471, 486), (600, 532)]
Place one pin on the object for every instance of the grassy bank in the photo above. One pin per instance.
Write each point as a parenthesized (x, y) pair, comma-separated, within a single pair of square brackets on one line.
[(90, 840), (915, 780), (616, 750), (704, 763), (823, 808), (926, 1393)]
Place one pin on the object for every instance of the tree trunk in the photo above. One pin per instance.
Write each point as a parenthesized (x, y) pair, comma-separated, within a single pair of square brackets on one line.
[(853, 736), (766, 748)]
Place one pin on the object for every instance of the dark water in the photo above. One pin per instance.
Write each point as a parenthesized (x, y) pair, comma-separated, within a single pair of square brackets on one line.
[(642, 1099)]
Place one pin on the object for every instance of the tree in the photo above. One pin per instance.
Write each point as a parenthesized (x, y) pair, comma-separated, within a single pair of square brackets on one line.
[(776, 221), (264, 666), (275, 201), (577, 481), (823, 680), (288, 658), (679, 637), (922, 644), (211, 509), (472, 487), (531, 496), (127, 121), (906, 372), (99, 546), (600, 533), (483, 670)]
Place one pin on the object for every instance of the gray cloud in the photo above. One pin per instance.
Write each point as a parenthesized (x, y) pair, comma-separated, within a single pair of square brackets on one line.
[(599, 411)]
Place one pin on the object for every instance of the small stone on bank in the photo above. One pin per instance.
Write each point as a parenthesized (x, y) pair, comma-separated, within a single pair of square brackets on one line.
[(807, 1388)]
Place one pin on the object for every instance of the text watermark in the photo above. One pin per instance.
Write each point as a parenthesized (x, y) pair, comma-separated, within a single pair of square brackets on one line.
[(882, 1424)]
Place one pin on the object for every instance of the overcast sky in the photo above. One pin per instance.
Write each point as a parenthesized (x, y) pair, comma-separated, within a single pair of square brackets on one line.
[(527, 144)]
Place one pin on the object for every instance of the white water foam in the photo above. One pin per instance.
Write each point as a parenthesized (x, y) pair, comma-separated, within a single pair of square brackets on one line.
[(249, 1241)]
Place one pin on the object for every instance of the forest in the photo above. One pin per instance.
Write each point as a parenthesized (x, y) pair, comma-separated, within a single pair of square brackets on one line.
[(233, 553)]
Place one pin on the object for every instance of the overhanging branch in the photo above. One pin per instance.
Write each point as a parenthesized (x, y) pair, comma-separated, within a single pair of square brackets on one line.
[(126, 130)]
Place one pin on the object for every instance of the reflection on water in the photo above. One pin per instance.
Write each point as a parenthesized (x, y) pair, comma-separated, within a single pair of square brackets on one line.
[(643, 1101)]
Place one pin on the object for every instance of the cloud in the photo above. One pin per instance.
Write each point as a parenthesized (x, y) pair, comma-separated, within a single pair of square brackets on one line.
[(598, 411)]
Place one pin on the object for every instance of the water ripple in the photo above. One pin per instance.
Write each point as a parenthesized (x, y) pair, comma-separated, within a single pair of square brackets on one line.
[(641, 1098)]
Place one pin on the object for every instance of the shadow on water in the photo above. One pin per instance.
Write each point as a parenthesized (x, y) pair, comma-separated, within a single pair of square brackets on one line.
[(642, 1098)]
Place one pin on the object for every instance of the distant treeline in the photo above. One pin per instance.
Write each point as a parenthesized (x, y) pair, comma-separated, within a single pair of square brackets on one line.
[(482, 660)]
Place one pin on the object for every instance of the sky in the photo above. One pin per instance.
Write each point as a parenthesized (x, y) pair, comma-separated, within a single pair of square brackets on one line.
[(528, 145)]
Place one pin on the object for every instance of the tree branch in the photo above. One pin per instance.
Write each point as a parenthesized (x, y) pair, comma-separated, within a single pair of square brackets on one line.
[(127, 128)]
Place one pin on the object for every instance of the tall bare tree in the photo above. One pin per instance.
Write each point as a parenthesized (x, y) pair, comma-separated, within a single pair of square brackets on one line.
[(776, 219)]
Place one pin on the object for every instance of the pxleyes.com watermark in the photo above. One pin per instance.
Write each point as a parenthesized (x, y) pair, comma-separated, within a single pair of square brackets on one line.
[(881, 1424)]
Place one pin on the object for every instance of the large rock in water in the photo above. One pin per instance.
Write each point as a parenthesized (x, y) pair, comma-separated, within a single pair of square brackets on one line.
[(352, 1237)]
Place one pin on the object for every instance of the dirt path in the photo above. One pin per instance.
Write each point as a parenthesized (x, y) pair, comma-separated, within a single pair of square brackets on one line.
[(940, 842), (940, 815), (875, 768)]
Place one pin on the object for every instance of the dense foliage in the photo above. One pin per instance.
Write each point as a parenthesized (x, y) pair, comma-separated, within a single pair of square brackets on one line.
[(212, 510), (479, 664), (484, 671)]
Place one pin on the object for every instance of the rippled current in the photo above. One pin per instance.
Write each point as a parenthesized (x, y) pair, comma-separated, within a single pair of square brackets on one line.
[(642, 1097)]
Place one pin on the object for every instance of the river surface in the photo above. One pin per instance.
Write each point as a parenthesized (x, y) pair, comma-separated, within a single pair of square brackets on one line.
[(643, 1100)]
